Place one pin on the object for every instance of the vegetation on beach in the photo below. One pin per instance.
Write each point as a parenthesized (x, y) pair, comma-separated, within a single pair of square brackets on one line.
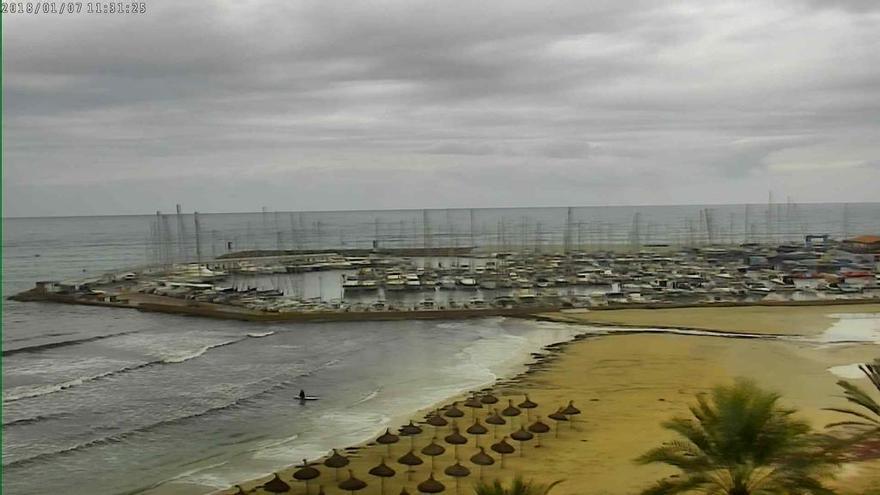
[(862, 429), (868, 414), (740, 441), (517, 487)]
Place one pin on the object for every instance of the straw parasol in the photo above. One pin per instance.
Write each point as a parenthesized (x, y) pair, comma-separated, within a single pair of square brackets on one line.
[(433, 450), (570, 410), (437, 421), (558, 416), (481, 459), (352, 484), (457, 471), (539, 428), (473, 403), (431, 485), (306, 473), (503, 448), (336, 461), (276, 485), (410, 431), (521, 436), (455, 438), (528, 405), (477, 429), (453, 412), (410, 459), (489, 399), (495, 420), (388, 438), (510, 411), (382, 471)]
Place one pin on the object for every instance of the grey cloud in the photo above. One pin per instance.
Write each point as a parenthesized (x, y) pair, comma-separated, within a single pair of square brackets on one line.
[(495, 99)]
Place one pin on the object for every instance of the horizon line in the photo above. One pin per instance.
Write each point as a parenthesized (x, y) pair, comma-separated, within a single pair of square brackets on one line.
[(451, 208)]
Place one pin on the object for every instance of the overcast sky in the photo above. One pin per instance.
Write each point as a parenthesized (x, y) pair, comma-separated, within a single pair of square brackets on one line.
[(314, 105)]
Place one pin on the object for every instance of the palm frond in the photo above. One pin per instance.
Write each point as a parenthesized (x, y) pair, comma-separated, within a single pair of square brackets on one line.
[(675, 486), (739, 436)]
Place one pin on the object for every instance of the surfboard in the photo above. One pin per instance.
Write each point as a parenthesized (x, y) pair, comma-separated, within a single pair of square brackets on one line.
[(308, 397)]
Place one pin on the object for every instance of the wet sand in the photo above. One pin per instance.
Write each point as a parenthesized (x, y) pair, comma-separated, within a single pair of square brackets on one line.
[(627, 384), (788, 320)]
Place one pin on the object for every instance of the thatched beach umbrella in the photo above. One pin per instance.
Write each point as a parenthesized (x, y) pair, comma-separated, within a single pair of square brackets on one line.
[(481, 459), (457, 471), (306, 473), (521, 436), (495, 420), (431, 485), (510, 411), (276, 485), (489, 399), (528, 405), (558, 416), (433, 450), (352, 484), (503, 448), (539, 428), (570, 410), (388, 438), (453, 412), (437, 421), (477, 429), (336, 461), (455, 438), (410, 431), (410, 459), (382, 471), (473, 403)]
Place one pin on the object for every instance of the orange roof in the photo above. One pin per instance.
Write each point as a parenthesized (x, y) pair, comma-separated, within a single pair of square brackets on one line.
[(866, 239)]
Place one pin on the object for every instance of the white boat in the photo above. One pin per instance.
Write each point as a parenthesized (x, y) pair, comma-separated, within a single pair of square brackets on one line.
[(394, 282), (447, 283), (413, 282)]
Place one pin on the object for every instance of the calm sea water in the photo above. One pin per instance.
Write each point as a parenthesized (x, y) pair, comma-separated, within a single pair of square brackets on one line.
[(114, 401)]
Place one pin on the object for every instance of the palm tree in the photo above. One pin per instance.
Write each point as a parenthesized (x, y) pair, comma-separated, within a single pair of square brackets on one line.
[(518, 487), (869, 418), (864, 440), (740, 441)]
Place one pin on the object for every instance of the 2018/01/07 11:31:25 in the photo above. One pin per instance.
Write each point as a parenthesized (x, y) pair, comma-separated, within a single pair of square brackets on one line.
[(61, 8)]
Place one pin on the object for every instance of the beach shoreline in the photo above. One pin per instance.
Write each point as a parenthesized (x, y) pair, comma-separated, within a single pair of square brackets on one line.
[(640, 379)]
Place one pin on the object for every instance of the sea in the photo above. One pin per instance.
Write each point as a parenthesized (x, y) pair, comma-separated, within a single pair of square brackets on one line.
[(107, 401)]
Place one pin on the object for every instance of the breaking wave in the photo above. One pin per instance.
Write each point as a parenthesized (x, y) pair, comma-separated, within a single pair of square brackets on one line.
[(64, 343), (121, 437), (31, 392)]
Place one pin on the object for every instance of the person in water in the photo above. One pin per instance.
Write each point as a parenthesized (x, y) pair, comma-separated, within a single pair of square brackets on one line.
[(302, 395)]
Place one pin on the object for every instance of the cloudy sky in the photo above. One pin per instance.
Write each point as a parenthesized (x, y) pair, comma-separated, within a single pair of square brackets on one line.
[(313, 105)]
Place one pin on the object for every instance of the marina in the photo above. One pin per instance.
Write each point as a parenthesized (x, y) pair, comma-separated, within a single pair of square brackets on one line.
[(473, 282)]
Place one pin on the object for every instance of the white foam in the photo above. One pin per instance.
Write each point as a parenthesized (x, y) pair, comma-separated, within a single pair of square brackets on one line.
[(258, 335), (368, 397), (182, 356)]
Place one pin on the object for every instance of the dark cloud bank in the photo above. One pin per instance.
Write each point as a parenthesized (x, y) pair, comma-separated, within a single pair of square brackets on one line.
[(229, 106)]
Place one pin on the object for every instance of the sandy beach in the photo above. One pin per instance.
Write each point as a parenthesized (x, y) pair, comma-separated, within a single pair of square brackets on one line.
[(626, 385)]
